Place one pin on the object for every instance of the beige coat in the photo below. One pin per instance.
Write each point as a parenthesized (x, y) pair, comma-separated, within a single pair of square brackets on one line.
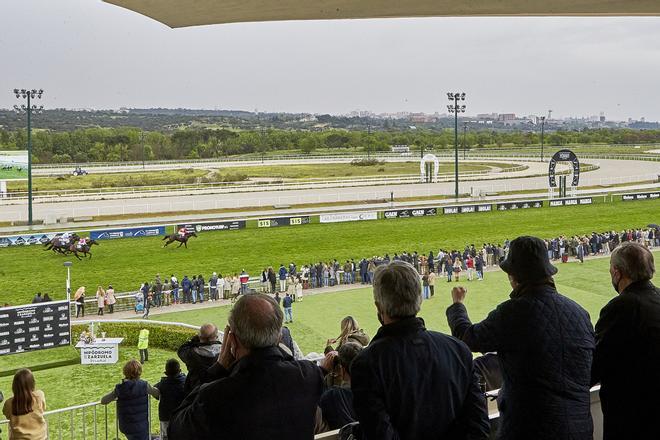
[(30, 426)]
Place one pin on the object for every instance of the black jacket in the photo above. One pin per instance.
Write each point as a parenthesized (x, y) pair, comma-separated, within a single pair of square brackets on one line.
[(627, 362), (545, 344), (415, 384), (265, 395), (198, 357), (171, 395)]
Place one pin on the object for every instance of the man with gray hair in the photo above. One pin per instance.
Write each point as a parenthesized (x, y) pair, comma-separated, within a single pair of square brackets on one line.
[(411, 383), (260, 392), (199, 354), (627, 356)]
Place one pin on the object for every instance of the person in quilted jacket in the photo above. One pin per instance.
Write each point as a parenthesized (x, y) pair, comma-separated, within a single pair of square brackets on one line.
[(545, 343)]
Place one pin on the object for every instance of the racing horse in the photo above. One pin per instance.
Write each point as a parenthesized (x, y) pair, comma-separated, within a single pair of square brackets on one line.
[(55, 244), (77, 248), (183, 240)]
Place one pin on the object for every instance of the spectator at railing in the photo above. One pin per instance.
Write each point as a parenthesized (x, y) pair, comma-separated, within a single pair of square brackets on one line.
[(336, 402), (174, 285), (545, 345), (25, 409), (199, 354), (260, 393), (411, 383), (172, 393), (100, 300), (110, 299), (627, 357), (132, 396), (186, 286), (37, 298)]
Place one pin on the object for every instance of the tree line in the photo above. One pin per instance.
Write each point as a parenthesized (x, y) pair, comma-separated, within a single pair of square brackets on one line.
[(133, 144)]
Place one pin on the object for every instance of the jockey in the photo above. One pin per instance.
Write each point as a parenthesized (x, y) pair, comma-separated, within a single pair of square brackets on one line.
[(65, 238), (82, 242), (182, 232)]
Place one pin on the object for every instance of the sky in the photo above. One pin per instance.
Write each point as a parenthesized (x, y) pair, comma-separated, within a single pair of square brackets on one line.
[(89, 54)]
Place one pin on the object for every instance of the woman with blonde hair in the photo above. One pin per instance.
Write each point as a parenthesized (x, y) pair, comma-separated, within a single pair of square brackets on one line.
[(79, 299), (350, 332), (25, 410), (100, 299)]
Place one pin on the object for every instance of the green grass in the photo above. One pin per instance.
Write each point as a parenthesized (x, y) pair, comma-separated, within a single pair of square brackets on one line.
[(317, 317), (13, 174), (128, 262), (344, 170), (110, 180), (37, 360)]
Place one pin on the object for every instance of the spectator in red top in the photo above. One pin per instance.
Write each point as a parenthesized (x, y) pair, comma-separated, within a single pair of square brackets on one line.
[(469, 263)]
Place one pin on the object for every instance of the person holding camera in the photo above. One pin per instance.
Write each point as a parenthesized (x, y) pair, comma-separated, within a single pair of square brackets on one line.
[(258, 391), (199, 354)]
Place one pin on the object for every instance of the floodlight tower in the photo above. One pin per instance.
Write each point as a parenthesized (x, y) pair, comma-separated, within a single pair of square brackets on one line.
[(29, 94), (455, 108), (542, 133)]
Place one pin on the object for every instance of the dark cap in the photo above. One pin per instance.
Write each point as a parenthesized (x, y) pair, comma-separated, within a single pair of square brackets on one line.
[(527, 260)]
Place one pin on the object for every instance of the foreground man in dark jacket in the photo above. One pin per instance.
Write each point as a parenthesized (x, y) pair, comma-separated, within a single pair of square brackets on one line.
[(627, 358), (545, 345), (262, 393), (411, 383)]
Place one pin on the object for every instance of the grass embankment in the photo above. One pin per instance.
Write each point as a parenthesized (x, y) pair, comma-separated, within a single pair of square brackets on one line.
[(125, 263)]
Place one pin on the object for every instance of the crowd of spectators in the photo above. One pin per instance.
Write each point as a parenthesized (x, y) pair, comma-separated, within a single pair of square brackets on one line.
[(408, 382)]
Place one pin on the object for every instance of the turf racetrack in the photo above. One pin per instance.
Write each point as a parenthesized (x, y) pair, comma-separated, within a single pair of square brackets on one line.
[(125, 263)]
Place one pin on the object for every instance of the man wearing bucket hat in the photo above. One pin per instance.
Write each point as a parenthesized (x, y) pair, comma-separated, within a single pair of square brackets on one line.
[(545, 345)]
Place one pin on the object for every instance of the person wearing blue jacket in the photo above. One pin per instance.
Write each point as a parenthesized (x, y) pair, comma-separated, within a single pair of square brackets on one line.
[(132, 396), (172, 393), (186, 286), (282, 275)]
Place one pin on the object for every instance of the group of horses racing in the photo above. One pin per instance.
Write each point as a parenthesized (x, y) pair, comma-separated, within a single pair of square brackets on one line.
[(76, 245), (72, 244)]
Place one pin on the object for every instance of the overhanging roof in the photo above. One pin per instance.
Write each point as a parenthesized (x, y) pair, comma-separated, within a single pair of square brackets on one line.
[(182, 13)]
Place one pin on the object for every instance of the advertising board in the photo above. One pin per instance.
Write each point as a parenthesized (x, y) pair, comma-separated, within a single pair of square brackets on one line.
[(232, 225), (576, 201), (348, 217), (527, 204), (34, 327), (641, 196), (410, 212), (144, 231), (465, 209), (282, 221)]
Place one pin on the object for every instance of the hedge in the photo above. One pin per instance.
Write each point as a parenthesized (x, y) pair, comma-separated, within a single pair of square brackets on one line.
[(166, 337)]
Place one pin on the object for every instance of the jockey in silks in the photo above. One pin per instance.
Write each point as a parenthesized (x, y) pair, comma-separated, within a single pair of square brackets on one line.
[(182, 232), (82, 242), (65, 238)]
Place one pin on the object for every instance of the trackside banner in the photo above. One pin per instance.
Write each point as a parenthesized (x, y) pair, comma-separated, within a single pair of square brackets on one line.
[(412, 212), (641, 196), (348, 217), (507, 206), (28, 239), (570, 202), (282, 221), (109, 234), (464, 209), (213, 226), (34, 327)]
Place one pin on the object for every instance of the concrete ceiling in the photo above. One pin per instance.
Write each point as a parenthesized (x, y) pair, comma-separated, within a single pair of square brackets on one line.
[(183, 13)]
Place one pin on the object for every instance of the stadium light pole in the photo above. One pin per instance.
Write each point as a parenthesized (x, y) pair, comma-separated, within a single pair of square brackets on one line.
[(464, 144), (68, 265), (29, 94), (455, 108), (542, 133)]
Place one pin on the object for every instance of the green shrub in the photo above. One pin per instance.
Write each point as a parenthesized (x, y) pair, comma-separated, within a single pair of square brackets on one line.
[(167, 337), (366, 162)]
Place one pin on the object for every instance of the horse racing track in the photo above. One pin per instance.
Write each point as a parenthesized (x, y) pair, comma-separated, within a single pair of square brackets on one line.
[(126, 263)]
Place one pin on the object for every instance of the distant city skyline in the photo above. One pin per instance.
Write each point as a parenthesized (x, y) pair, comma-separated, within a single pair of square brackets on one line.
[(89, 54)]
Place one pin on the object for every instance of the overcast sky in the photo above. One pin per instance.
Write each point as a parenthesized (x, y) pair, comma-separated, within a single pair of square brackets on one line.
[(89, 54)]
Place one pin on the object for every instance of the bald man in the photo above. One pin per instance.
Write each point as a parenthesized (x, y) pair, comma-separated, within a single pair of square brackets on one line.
[(261, 393), (199, 354)]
